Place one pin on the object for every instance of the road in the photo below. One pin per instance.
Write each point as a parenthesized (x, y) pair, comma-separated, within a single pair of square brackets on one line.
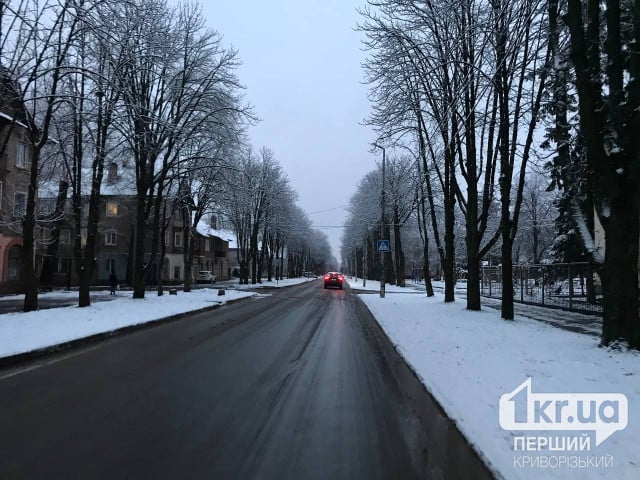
[(290, 385)]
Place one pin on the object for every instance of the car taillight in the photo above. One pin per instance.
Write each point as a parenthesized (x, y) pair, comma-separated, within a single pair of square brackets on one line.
[(340, 277), (327, 277)]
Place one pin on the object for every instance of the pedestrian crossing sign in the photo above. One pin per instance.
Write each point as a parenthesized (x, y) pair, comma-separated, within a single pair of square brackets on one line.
[(383, 246)]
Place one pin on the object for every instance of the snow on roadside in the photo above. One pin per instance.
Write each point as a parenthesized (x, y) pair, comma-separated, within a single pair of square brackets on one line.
[(468, 359), (24, 332), (287, 282), (374, 286)]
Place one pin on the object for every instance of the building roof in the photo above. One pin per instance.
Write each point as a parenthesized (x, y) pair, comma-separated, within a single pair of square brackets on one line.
[(124, 184), (204, 229)]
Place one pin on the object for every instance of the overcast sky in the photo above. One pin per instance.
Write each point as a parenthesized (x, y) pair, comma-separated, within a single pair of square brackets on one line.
[(301, 66)]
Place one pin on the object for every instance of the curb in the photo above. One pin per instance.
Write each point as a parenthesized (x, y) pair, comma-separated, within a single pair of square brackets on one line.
[(26, 357), (449, 453)]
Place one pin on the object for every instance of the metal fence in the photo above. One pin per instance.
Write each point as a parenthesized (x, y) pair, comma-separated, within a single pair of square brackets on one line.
[(569, 286)]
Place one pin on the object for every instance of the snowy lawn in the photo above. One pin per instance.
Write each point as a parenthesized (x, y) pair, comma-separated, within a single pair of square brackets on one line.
[(374, 286), (467, 360), (24, 332)]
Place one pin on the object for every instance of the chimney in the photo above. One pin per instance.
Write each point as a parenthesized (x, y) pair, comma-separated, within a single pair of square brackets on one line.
[(214, 222), (112, 176)]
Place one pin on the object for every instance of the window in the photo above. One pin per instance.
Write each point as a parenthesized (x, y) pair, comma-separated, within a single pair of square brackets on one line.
[(14, 262), (83, 237), (65, 237), (64, 265), (111, 237), (112, 209), (206, 244), (19, 204), (177, 239), (45, 236), (176, 272), (166, 238), (46, 206), (23, 152), (111, 265)]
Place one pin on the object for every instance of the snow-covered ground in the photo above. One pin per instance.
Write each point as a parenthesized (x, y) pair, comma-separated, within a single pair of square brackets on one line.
[(25, 332), (467, 360), (374, 286), (287, 282)]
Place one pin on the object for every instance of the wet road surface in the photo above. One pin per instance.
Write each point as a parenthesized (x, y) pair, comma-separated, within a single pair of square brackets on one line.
[(288, 385)]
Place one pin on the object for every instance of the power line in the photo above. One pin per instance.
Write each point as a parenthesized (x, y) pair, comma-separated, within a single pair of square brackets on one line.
[(328, 209)]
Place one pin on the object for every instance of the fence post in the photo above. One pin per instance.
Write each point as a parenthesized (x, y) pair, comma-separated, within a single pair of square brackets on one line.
[(542, 285), (490, 281), (521, 283)]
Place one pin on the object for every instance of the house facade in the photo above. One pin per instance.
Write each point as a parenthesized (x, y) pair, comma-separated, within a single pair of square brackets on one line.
[(16, 140), (117, 210)]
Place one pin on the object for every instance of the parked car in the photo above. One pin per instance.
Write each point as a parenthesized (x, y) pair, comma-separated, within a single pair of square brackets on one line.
[(333, 279), (309, 274), (205, 276)]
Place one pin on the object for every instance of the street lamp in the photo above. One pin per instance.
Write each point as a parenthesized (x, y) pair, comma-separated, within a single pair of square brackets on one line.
[(382, 222)]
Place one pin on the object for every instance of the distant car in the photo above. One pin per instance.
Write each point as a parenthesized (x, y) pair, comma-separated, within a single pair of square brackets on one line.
[(205, 276), (333, 279), (309, 274)]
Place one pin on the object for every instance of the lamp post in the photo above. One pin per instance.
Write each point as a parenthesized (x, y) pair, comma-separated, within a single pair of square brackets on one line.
[(382, 223)]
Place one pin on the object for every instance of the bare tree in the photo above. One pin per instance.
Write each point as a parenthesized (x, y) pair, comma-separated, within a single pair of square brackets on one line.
[(36, 44), (522, 61), (178, 78)]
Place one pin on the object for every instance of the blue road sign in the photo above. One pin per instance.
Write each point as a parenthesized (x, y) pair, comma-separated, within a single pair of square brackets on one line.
[(383, 246)]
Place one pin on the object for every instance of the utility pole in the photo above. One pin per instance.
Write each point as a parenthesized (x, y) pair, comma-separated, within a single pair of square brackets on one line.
[(382, 223)]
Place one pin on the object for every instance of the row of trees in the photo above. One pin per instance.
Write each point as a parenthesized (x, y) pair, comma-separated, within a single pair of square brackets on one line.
[(412, 220), (471, 88), (260, 204), (139, 82)]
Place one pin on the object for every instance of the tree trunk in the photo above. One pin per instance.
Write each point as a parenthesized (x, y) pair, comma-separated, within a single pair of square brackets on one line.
[(138, 261), (473, 252), (507, 277), (473, 284), (159, 272), (51, 257), (620, 272), (449, 243), (188, 265), (130, 254), (84, 290), (397, 251), (254, 258), (281, 262), (263, 253), (29, 277)]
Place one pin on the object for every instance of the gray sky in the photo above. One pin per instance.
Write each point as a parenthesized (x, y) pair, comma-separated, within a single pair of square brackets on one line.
[(301, 66)]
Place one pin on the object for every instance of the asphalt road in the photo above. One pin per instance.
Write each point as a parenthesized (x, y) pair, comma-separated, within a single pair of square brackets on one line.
[(290, 385)]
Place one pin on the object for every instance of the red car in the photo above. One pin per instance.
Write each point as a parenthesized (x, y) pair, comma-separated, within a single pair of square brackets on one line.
[(333, 279)]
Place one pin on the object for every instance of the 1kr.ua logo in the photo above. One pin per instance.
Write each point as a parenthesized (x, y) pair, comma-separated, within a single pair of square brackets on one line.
[(602, 413)]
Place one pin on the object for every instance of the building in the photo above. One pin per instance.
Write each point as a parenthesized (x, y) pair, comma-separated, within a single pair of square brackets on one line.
[(114, 249), (16, 140)]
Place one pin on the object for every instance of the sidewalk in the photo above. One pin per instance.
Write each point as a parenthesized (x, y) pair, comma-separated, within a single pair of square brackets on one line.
[(571, 321)]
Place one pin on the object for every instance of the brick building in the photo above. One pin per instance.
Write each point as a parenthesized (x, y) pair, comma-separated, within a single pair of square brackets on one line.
[(16, 140)]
